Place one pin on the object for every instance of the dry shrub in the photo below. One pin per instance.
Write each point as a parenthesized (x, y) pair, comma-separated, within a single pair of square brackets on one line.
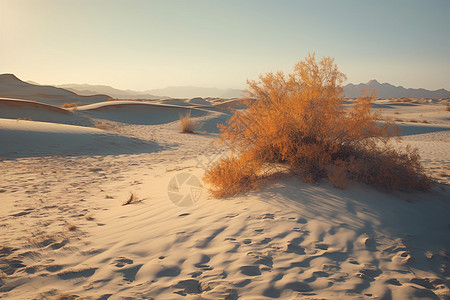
[(102, 126), (447, 108), (187, 124), (113, 99), (299, 120), (69, 105), (232, 176), (72, 227)]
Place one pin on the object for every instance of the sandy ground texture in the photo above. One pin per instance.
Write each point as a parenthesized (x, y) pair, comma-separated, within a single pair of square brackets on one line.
[(65, 233)]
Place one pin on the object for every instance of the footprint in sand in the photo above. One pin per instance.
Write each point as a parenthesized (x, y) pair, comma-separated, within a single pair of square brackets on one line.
[(10, 266), (293, 246), (129, 273), (261, 259), (369, 272), (265, 240), (315, 275), (202, 264), (302, 221), (393, 281), (195, 274), (242, 283), (169, 272), (322, 246), (189, 286), (250, 270), (76, 273), (58, 245), (267, 217), (53, 268), (23, 213), (122, 261)]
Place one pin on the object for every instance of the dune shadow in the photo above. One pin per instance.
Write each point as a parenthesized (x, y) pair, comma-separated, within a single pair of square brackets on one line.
[(142, 113)]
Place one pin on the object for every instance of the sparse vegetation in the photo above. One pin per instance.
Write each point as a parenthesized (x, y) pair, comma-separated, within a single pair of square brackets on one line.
[(447, 108), (187, 124), (67, 297), (69, 105), (131, 199), (72, 227), (298, 121)]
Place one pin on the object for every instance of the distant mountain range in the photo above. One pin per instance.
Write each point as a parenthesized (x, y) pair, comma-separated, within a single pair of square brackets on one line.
[(193, 91), (13, 87), (386, 90), (87, 89), (168, 92)]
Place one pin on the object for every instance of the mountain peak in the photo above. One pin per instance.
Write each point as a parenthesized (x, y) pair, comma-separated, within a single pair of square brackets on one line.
[(387, 90), (373, 82), (7, 77)]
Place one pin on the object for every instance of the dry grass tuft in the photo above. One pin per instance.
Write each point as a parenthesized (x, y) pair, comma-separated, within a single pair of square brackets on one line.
[(72, 227), (299, 121), (187, 124), (69, 105)]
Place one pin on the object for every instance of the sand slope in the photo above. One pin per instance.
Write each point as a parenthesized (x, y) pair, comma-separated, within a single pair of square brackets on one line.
[(36, 111), (141, 113), (66, 233), (22, 138), (13, 87)]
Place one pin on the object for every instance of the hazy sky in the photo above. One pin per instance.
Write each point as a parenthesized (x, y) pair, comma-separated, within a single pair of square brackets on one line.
[(153, 44)]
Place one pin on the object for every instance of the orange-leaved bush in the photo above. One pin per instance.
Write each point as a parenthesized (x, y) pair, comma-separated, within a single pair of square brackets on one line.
[(299, 121)]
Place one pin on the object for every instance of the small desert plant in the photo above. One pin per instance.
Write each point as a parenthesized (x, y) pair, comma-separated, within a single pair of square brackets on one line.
[(299, 121), (131, 199), (447, 108), (72, 227), (69, 105), (187, 124)]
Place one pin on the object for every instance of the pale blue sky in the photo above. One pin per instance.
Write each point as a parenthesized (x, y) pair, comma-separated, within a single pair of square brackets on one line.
[(153, 44)]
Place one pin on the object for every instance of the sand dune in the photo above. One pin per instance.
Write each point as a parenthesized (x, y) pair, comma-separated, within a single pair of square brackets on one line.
[(13, 87), (141, 113), (23, 138), (36, 111), (66, 233)]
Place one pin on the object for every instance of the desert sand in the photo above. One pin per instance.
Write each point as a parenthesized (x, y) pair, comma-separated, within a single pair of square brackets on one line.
[(65, 233)]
